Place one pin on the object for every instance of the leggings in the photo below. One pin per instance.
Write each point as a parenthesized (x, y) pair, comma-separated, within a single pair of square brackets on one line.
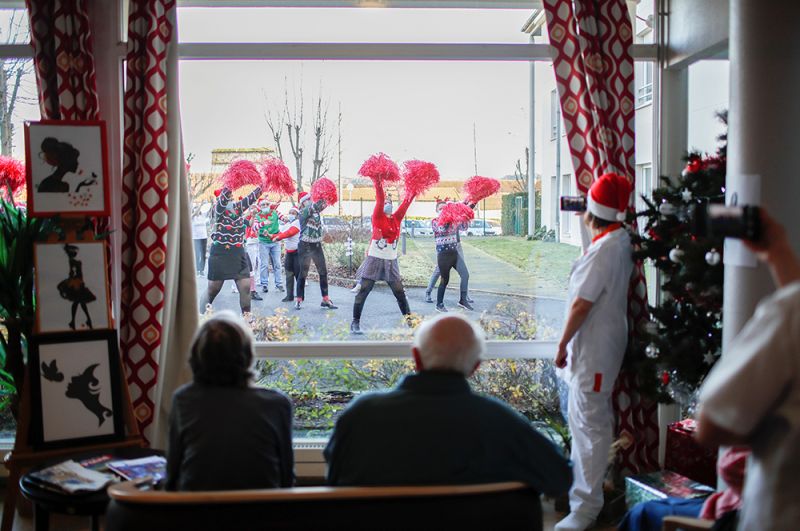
[(366, 287), (308, 252), (291, 268), (461, 269), (214, 287), (446, 261)]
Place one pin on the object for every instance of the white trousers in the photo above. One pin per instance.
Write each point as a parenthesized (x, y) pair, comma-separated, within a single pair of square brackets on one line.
[(591, 422), (252, 252)]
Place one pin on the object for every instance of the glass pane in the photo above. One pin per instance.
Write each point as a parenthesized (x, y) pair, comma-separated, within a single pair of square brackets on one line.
[(320, 390), (460, 115), (708, 96), (643, 21), (258, 24)]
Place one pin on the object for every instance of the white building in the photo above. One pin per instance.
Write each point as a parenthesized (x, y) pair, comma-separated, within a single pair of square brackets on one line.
[(708, 94)]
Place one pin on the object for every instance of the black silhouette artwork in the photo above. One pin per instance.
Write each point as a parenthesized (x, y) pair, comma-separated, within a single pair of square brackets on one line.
[(84, 387), (64, 158), (74, 289)]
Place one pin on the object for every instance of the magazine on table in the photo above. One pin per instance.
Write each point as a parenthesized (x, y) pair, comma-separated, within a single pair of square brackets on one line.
[(71, 477), (154, 466)]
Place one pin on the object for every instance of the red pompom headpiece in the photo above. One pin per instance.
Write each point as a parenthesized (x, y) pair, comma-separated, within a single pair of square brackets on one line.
[(419, 176), (277, 177), (455, 213), (380, 167), (477, 188), (324, 189), (241, 173)]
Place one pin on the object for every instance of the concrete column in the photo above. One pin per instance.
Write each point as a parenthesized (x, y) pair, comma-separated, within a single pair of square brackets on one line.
[(763, 123), (532, 153)]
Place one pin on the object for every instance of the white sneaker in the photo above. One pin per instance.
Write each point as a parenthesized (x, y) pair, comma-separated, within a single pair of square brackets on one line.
[(356, 288), (575, 522)]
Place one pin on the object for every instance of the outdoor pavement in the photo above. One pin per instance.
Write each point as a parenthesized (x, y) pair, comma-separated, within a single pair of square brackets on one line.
[(381, 311)]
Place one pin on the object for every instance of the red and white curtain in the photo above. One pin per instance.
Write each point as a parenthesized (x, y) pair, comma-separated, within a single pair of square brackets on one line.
[(63, 59), (158, 301), (594, 77)]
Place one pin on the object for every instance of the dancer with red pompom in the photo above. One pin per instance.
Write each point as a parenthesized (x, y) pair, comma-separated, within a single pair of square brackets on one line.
[(453, 217), (323, 194), (227, 259), (381, 262)]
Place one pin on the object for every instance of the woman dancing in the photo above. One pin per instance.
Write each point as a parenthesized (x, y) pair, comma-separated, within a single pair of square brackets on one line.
[(227, 259), (381, 262), (73, 288)]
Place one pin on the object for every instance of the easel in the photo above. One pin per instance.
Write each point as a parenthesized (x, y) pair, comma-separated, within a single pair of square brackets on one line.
[(24, 456)]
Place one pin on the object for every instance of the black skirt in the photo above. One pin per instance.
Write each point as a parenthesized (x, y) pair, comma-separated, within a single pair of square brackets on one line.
[(228, 264), (380, 269)]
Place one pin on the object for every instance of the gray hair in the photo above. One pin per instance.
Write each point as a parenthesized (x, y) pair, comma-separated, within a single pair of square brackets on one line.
[(222, 352), (450, 342)]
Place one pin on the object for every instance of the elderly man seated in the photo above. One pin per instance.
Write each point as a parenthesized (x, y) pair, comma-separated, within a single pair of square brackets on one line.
[(432, 429)]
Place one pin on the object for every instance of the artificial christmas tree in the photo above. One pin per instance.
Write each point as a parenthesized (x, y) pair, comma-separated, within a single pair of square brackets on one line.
[(677, 348)]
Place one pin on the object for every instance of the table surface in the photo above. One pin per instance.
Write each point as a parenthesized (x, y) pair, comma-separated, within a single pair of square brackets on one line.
[(81, 503)]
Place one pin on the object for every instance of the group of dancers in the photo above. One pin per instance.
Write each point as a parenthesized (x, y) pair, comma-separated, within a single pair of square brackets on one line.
[(302, 231)]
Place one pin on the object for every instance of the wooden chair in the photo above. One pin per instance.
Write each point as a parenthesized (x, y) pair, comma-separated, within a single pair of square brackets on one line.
[(685, 523), (489, 506)]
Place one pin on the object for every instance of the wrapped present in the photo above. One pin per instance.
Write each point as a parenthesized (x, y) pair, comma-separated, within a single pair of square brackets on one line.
[(661, 485), (685, 456)]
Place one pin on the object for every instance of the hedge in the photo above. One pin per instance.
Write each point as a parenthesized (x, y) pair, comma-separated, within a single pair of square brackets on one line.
[(509, 214)]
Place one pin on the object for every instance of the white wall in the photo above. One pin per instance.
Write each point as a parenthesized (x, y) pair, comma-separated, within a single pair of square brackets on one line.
[(708, 94)]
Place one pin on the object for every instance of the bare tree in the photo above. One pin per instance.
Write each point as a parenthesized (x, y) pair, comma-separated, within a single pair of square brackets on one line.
[(11, 72), (521, 177), (290, 121)]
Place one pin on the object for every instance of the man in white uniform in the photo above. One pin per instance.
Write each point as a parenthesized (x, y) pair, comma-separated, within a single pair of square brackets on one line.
[(752, 396), (593, 344)]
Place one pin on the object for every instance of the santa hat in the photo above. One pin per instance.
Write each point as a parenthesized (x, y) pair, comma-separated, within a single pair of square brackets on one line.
[(302, 197), (294, 209), (608, 197)]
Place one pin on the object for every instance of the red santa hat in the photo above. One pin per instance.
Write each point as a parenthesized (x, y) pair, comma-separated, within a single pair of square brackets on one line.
[(608, 197), (302, 197)]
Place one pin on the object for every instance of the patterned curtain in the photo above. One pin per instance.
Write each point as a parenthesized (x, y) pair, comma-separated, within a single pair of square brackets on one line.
[(594, 76), (145, 180), (63, 59)]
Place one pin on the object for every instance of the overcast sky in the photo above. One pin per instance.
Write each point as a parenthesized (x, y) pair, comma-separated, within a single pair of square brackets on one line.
[(418, 109)]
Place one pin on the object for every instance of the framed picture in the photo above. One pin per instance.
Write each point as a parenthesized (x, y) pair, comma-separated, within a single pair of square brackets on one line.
[(75, 389), (67, 168), (71, 286)]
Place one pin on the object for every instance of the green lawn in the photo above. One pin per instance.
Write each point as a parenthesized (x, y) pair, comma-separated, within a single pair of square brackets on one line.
[(417, 264), (548, 264)]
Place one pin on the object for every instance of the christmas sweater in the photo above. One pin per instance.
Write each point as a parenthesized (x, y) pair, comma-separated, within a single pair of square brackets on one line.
[(311, 229), (386, 228), (267, 225), (447, 237), (229, 218)]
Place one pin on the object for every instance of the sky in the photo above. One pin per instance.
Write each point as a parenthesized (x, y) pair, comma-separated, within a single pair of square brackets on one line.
[(421, 109)]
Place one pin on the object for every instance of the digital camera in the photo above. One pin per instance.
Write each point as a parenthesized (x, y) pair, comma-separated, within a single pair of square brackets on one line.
[(721, 221), (573, 203)]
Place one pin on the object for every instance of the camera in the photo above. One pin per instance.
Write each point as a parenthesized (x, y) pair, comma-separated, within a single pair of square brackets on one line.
[(721, 221), (573, 203)]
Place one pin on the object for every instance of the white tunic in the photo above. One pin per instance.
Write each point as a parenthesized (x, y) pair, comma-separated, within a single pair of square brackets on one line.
[(755, 389), (601, 276)]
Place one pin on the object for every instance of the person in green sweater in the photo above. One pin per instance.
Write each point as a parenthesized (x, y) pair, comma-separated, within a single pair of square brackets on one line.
[(269, 250)]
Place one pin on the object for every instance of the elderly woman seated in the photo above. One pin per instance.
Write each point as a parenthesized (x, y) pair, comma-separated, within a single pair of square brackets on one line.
[(224, 432)]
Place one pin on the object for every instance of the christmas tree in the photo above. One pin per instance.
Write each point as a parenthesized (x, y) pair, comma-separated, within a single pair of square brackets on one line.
[(677, 348)]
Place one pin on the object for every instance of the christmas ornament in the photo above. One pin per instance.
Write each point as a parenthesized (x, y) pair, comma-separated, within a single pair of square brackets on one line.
[(665, 377), (709, 358), (666, 209), (713, 257), (676, 255), (686, 195), (651, 351)]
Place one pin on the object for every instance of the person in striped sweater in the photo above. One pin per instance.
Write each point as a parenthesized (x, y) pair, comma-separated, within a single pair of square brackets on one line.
[(310, 249)]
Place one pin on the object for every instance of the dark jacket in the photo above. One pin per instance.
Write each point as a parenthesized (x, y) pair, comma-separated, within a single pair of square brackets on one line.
[(432, 429), (223, 438)]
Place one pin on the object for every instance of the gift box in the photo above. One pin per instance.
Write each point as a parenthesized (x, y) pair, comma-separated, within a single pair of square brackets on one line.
[(685, 456), (661, 485)]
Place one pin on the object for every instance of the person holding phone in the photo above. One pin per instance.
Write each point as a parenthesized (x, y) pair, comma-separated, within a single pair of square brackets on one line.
[(593, 343)]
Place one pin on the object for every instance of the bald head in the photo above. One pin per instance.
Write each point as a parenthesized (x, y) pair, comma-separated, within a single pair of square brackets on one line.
[(449, 342)]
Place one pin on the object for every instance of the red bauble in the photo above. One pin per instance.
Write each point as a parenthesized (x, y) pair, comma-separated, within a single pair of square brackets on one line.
[(665, 378)]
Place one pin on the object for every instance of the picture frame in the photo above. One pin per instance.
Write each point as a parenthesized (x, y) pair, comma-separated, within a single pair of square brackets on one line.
[(72, 286), (67, 168), (76, 395)]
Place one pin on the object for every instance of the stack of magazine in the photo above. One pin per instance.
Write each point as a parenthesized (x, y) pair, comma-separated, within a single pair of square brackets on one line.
[(94, 474)]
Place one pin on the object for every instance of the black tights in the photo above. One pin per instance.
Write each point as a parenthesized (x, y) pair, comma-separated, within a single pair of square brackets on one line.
[(446, 260), (366, 287), (215, 286)]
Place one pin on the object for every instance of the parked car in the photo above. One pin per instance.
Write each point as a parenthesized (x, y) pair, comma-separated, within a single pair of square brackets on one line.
[(411, 226), (425, 228), (335, 224), (477, 228)]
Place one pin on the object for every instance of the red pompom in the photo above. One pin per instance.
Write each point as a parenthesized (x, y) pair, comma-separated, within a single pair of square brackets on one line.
[(380, 167), (325, 190), (419, 176), (12, 174), (241, 173), (477, 188), (455, 213), (277, 177)]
